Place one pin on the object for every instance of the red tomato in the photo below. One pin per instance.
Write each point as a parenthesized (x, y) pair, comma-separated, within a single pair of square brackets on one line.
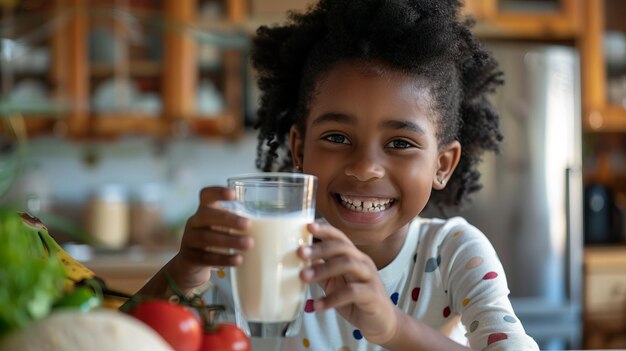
[(226, 337), (177, 324)]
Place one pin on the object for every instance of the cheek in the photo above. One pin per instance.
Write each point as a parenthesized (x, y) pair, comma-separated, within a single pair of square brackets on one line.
[(416, 186), (318, 161), (415, 201)]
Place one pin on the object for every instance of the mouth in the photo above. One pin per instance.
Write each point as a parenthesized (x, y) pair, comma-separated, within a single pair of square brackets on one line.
[(364, 204)]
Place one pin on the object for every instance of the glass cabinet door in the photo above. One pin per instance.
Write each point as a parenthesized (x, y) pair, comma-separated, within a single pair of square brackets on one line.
[(614, 58), (124, 48), (107, 68), (220, 52), (36, 85), (603, 50)]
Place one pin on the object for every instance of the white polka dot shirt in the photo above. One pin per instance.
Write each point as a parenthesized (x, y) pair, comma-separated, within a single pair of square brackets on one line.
[(446, 275)]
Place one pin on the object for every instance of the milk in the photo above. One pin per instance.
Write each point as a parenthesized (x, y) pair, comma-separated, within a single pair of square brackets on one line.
[(267, 282)]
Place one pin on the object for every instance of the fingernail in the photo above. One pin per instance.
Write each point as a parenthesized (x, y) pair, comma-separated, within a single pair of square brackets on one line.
[(307, 274), (306, 251), (242, 222), (246, 242)]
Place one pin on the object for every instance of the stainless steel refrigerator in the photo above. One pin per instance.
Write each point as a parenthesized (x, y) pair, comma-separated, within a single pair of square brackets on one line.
[(530, 206)]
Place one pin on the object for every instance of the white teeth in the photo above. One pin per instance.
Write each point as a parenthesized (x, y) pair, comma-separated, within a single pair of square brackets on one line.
[(369, 205)]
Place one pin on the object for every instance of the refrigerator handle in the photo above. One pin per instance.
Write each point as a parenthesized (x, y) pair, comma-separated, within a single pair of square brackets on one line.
[(574, 218)]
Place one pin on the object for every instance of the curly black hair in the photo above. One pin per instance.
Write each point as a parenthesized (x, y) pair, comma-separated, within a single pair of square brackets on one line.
[(422, 38)]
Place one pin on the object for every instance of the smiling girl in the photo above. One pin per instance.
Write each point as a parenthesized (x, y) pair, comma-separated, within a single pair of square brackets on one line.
[(385, 102)]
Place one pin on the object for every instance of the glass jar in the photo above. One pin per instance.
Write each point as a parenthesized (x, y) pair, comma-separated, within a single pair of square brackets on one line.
[(146, 227), (108, 217)]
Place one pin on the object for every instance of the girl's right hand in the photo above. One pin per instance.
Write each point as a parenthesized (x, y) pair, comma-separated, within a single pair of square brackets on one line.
[(208, 239)]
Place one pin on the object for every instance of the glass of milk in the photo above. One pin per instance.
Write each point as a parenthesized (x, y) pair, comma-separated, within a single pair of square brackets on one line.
[(268, 293)]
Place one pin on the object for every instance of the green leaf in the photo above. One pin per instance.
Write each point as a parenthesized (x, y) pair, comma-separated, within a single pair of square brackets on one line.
[(31, 281)]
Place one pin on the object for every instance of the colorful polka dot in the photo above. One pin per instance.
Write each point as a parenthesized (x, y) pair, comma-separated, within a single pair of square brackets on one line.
[(394, 298), (308, 306), (415, 294), (446, 312), (306, 343), (432, 264), (473, 326), (221, 273), (495, 337), (490, 275), (510, 319), (357, 334), (456, 234), (466, 301), (474, 262)]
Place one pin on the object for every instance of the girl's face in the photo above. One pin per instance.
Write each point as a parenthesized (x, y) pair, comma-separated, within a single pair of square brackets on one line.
[(371, 141)]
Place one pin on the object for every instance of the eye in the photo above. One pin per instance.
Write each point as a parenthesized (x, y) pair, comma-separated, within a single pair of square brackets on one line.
[(337, 139), (399, 144)]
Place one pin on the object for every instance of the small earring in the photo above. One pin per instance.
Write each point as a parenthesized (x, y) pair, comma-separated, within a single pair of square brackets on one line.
[(298, 168), (440, 180)]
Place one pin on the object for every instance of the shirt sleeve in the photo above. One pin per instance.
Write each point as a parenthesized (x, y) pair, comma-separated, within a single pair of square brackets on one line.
[(478, 291)]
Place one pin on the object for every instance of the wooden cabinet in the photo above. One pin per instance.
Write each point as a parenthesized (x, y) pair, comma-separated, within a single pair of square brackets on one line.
[(601, 111), (167, 50), (521, 19), (510, 19), (138, 67), (605, 298), (34, 63), (604, 93)]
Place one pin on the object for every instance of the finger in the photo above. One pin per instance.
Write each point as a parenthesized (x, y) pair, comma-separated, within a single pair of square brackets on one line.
[(209, 196), (353, 269), (327, 249), (325, 231), (305, 252), (212, 217), (350, 294), (211, 259), (206, 239)]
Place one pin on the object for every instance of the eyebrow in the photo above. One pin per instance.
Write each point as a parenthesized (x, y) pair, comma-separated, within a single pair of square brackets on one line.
[(390, 124), (402, 124), (334, 117)]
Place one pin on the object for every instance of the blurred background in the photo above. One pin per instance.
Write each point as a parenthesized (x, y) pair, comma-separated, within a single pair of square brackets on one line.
[(116, 113)]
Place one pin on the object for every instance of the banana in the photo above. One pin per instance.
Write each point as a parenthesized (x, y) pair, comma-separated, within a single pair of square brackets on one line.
[(75, 271)]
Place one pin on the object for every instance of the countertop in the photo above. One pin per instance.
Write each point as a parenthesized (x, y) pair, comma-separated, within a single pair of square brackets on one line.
[(124, 270)]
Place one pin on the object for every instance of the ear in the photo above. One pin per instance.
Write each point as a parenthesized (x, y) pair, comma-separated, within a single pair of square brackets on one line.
[(447, 161), (296, 142)]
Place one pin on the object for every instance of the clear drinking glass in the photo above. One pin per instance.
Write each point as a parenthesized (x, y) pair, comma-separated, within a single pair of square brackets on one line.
[(267, 290)]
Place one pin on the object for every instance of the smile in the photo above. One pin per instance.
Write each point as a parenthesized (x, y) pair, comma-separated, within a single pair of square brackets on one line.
[(365, 204)]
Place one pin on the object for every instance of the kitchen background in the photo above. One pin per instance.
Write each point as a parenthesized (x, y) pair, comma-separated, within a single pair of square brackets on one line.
[(131, 106)]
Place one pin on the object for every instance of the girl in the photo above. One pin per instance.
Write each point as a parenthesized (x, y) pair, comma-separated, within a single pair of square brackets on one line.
[(385, 102)]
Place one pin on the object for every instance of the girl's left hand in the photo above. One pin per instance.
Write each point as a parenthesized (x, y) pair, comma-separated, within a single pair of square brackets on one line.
[(351, 283)]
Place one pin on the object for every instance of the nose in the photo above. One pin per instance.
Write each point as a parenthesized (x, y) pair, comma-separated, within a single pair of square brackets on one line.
[(365, 165)]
